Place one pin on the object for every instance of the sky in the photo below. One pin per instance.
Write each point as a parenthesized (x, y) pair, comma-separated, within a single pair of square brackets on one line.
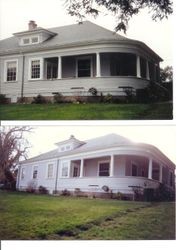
[(43, 138), (15, 15)]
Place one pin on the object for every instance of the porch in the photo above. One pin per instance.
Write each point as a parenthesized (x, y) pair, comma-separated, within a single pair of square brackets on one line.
[(119, 172), (98, 65)]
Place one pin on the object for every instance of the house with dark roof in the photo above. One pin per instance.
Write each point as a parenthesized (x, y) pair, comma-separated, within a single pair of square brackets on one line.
[(73, 59), (100, 166)]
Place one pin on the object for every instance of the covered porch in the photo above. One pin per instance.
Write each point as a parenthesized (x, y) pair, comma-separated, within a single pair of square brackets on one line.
[(119, 172), (99, 65)]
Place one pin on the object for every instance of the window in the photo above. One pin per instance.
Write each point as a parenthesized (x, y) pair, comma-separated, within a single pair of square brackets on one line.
[(22, 173), (64, 169), (50, 171), (68, 147), (104, 169), (35, 172), (134, 169), (30, 40), (35, 69), (34, 39), (76, 172), (26, 41), (84, 67), (11, 72)]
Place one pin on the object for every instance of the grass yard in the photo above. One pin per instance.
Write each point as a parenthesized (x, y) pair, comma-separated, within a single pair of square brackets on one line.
[(27, 216), (89, 111)]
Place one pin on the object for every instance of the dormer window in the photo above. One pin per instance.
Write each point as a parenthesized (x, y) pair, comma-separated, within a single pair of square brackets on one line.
[(34, 39), (26, 41), (30, 40)]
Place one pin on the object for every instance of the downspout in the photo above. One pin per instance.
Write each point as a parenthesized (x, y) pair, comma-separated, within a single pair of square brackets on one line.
[(56, 178), (22, 80)]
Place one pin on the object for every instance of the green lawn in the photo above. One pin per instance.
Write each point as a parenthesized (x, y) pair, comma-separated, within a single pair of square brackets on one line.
[(89, 111), (27, 216)]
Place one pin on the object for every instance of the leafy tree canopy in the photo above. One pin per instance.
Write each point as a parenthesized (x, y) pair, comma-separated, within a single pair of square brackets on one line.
[(123, 10), (166, 74)]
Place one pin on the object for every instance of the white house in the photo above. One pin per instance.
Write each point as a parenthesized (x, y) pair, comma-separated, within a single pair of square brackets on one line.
[(72, 59), (89, 166)]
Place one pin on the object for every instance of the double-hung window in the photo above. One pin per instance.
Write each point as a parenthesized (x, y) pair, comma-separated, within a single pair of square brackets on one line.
[(11, 71), (104, 168), (65, 167), (22, 173), (50, 171), (35, 69), (35, 172)]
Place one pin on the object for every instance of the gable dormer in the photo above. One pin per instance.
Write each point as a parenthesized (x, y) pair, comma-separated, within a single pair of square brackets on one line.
[(70, 144), (34, 35)]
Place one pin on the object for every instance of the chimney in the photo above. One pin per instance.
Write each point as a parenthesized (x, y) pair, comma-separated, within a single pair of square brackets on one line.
[(32, 25)]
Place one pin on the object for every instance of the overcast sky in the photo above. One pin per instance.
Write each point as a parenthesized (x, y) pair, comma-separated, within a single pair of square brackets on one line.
[(44, 137), (15, 14)]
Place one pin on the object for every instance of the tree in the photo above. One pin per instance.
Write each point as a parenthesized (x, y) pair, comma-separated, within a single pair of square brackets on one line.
[(166, 74), (123, 10), (13, 147)]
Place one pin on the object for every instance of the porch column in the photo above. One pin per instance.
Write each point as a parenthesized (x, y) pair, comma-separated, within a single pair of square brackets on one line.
[(138, 67), (112, 166), (69, 169), (150, 169), (160, 174), (81, 168), (59, 67), (147, 71), (98, 65)]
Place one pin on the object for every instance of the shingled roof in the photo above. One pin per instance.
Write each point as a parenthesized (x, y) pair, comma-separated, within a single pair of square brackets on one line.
[(99, 143), (103, 142), (67, 36)]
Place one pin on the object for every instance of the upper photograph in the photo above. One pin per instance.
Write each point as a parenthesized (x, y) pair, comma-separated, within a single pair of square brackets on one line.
[(115, 67)]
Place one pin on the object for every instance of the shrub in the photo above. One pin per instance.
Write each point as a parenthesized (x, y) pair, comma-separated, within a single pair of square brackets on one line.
[(101, 97), (31, 188), (130, 97), (39, 99), (93, 91), (21, 100), (108, 98), (65, 192), (138, 193), (3, 99), (42, 190), (58, 98)]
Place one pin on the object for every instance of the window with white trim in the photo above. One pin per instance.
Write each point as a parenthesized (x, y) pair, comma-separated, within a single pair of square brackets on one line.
[(30, 40), (26, 41), (35, 69), (50, 171), (11, 71), (65, 169), (35, 39), (35, 172), (22, 173), (104, 168)]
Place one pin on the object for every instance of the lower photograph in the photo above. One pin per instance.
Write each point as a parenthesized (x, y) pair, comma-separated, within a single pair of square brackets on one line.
[(87, 182)]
